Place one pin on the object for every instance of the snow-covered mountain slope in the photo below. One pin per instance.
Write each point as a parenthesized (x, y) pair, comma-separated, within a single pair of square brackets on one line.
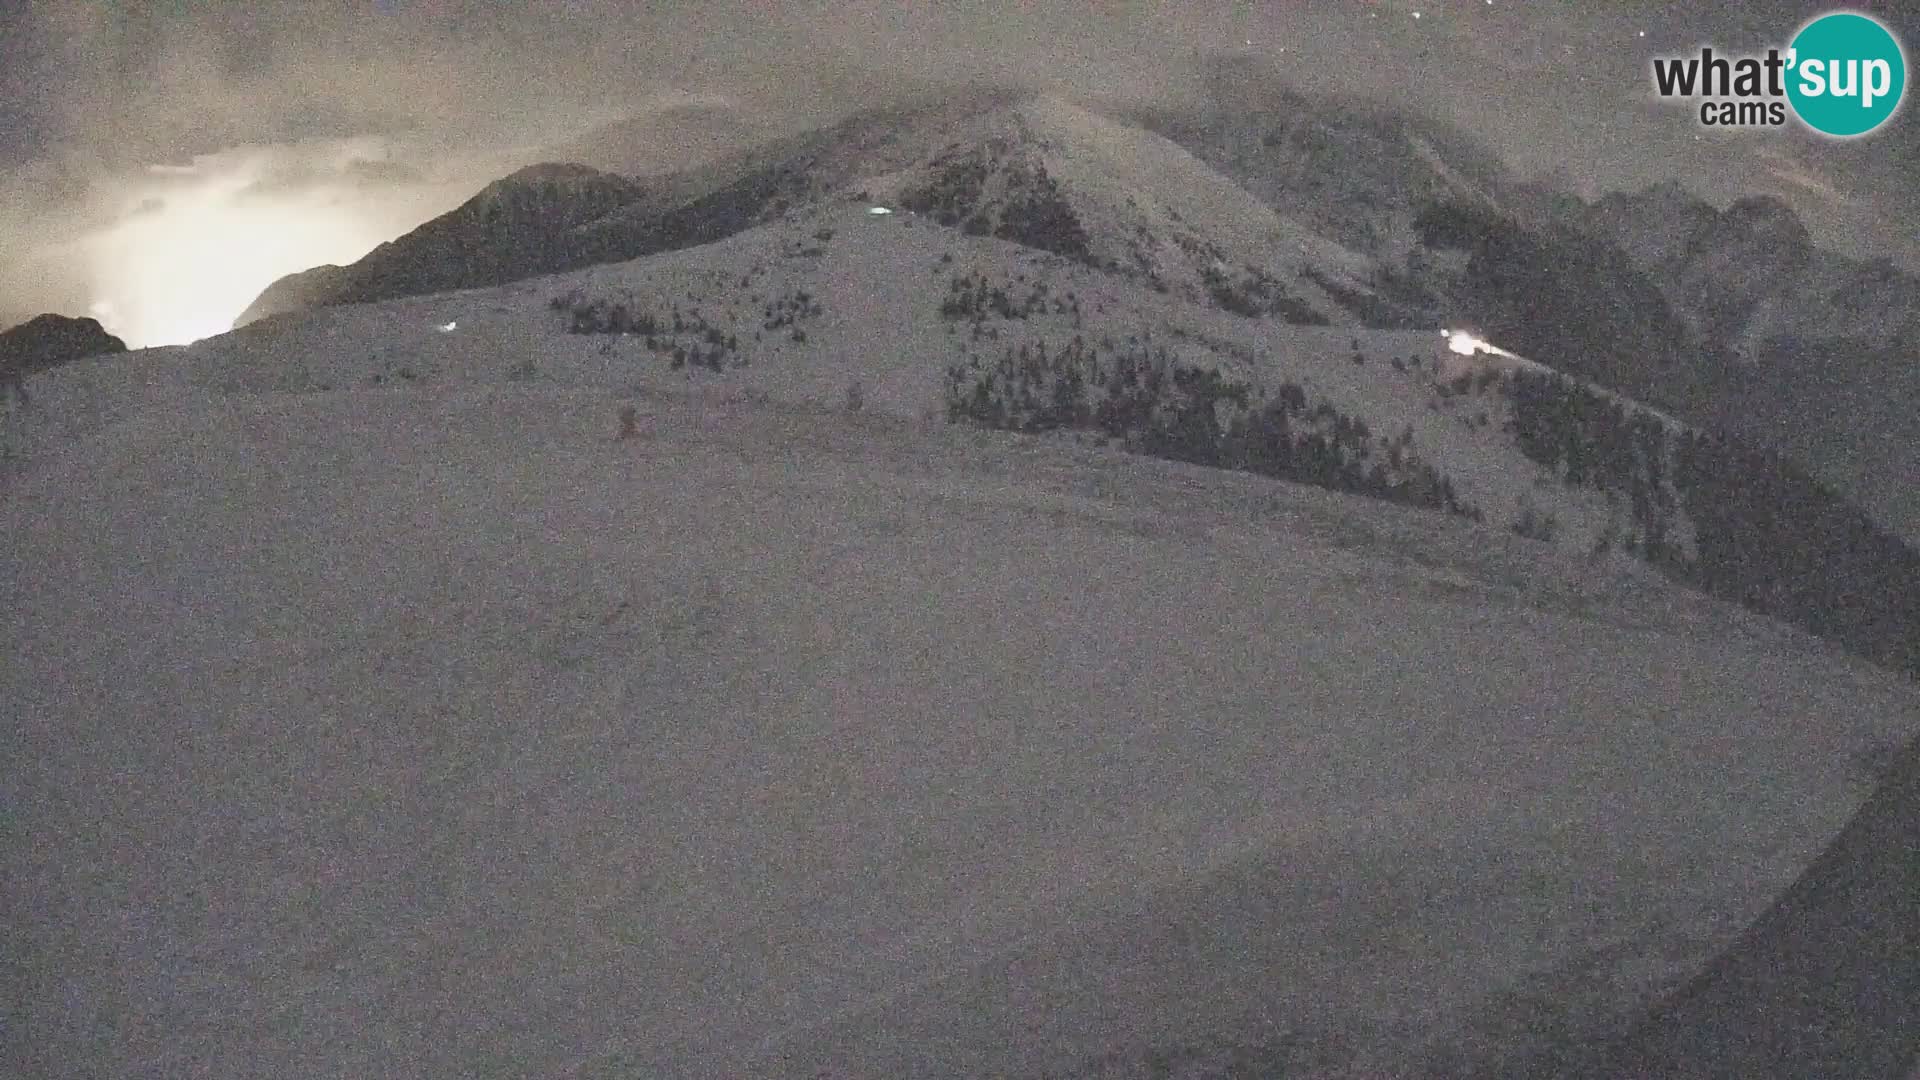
[(381, 711), (425, 727), (895, 305), (1265, 201), (1031, 168), (1735, 331), (1353, 172), (826, 298), (918, 320), (1787, 343), (1059, 177)]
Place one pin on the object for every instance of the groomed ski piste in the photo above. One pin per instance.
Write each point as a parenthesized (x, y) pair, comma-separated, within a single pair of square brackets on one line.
[(420, 726)]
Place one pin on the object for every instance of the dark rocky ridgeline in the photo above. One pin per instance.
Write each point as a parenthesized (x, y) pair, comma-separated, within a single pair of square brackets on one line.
[(557, 217), (517, 227), (1741, 257), (47, 341), (1753, 270), (731, 208), (1351, 170), (320, 286)]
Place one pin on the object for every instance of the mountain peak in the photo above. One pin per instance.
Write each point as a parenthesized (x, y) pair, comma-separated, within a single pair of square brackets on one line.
[(562, 182), (1669, 190), (1758, 231), (50, 340), (552, 172), (1766, 213)]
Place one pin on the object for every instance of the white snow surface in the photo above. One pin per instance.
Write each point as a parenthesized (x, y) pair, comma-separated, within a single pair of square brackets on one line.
[(426, 729)]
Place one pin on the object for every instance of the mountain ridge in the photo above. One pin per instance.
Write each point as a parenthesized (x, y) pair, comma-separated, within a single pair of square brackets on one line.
[(994, 331), (515, 227), (658, 495), (1140, 198), (49, 340)]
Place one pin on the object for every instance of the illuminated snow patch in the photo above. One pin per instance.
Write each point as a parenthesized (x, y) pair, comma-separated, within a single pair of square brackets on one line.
[(1466, 344)]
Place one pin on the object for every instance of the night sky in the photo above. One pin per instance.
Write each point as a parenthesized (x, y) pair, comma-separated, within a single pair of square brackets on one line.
[(126, 138)]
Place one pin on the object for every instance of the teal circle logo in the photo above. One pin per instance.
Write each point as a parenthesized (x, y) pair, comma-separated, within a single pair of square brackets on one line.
[(1847, 74)]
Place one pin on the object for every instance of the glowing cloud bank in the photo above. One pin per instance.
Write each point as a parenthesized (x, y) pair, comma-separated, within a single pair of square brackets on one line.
[(186, 248)]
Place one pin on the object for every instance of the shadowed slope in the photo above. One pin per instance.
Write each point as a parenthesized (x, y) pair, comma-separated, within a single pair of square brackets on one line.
[(1827, 982)]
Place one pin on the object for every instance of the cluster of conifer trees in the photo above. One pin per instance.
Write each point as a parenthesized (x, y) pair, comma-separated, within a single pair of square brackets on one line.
[(1156, 404)]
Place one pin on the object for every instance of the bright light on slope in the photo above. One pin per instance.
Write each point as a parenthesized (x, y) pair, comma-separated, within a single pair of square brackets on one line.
[(1466, 344)]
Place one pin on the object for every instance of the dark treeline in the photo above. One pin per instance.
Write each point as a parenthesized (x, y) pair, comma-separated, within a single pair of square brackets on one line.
[(1158, 405), (1766, 534), (1032, 212)]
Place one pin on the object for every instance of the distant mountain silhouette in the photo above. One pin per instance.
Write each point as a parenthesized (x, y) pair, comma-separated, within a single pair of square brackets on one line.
[(47, 341), (518, 227)]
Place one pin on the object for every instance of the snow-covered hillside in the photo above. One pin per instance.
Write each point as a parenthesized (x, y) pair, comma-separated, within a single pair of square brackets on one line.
[(886, 702), (922, 320), (826, 298), (1262, 200), (433, 730), (1043, 171), (375, 710)]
